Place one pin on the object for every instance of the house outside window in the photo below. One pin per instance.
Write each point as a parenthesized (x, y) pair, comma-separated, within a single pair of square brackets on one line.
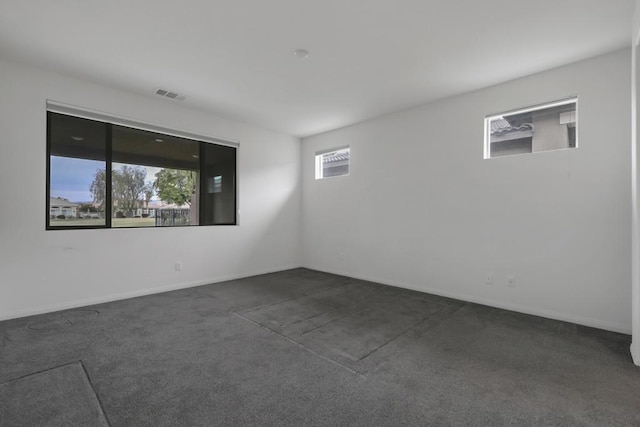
[(335, 162), (544, 127)]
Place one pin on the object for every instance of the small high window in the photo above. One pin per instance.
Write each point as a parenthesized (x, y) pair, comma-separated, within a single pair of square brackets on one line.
[(545, 127), (333, 163)]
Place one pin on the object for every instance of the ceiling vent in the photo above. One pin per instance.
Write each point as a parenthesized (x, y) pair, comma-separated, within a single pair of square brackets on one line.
[(169, 94)]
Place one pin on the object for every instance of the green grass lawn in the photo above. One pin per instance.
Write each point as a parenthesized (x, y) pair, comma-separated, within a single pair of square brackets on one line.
[(96, 222), (133, 222)]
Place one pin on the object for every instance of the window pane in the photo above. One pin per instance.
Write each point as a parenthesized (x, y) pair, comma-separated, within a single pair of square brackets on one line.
[(77, 161), (219, 186), (154, 179), (544, 128), (334, 163)]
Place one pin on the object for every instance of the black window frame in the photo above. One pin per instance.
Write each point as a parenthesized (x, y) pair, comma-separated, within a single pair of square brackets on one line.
[(108, 213)]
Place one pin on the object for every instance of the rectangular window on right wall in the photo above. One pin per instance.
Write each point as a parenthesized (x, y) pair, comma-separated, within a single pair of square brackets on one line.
[(332, 163), (546, 127)]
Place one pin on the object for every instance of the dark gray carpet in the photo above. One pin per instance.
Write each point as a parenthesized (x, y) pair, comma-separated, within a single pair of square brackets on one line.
[(60, 396), (302, 347)]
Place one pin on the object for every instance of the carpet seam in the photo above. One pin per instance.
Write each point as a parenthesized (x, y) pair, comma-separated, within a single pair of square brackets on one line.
[(401, 334), (252, 309), (345, 307), (95, 393), (326, 359), (41, 372)]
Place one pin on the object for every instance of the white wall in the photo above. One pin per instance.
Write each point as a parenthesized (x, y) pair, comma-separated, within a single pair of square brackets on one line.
[(423, 210), (46, 270)]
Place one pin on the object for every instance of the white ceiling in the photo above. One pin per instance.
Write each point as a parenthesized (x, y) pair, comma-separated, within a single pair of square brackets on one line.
[(368, 57)]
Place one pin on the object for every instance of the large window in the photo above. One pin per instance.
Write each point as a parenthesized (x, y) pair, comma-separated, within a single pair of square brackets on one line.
[(103, 175), (541, 128)]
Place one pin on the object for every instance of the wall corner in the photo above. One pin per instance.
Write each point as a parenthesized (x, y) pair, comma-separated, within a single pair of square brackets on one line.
[(635, 353), (635, 192)]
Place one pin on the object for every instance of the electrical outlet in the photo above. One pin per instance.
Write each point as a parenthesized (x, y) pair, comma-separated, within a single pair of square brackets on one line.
[(511, 282), (488, 279), (178, 265)]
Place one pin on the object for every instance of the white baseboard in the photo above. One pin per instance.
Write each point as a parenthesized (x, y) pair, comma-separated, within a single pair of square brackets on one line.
[(136, 293), (580, 320), (595, 323)]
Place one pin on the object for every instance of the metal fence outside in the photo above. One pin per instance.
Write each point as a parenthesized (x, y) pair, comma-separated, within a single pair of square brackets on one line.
[(173, 217)]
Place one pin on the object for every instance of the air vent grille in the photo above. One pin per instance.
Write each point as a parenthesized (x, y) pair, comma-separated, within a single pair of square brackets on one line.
[(169, 94)]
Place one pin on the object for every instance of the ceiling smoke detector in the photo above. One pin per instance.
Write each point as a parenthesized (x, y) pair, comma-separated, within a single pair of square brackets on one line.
[(169, 94)]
